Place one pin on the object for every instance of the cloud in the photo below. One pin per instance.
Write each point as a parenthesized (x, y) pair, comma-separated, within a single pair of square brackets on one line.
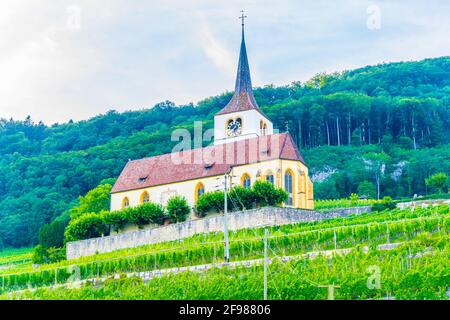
[(130, 55), (217, 52)]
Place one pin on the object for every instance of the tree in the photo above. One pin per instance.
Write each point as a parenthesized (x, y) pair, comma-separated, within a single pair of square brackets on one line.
[(210, 201), (266, 194), (376, 164), (87, 226), (178, 209), (366, 188), (145, 214), (52, 235), (95, 201), (438, 181)]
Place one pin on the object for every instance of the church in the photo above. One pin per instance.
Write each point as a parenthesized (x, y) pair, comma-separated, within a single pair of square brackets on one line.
[(246, 149)]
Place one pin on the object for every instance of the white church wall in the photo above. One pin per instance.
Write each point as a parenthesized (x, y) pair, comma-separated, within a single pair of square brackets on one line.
[(250, 126), (160, 194), (256, 171)]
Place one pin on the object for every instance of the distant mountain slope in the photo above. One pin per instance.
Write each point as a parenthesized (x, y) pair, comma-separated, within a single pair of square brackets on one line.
[(402, 109)]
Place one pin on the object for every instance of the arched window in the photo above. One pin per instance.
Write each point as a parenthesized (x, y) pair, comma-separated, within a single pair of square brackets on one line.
[(199, 191), (246, 182), (125, 203), (288, 186), (145, 197), (263, 128), (270, 177)]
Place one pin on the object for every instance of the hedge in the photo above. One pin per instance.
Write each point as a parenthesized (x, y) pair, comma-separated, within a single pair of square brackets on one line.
[(94, 225), (262, 194)]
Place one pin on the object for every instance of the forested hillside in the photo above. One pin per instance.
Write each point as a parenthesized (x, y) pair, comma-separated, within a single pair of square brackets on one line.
[(381, 129)]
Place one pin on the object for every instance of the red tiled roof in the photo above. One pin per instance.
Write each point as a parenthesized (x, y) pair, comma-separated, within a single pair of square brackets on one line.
[(205, 162)]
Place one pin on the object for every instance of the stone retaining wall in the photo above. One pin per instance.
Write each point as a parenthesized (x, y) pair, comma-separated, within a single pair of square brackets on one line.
[(238, 220)]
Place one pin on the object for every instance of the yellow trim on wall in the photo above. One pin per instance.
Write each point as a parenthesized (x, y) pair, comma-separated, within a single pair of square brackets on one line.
[(125, 202), (197, 188), (244, 177), (143, 196), (293, 184)]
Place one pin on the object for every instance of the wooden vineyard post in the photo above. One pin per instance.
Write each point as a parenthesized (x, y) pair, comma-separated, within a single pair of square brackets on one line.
[(335, 240), (266, 232), (331, 288), (387, 231)]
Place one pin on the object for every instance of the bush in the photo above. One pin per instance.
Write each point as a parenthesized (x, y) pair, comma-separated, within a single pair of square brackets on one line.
[(87, 226), (43, 255), (438, 181), (210, 201), (240, 198), (386, 203), (178, 209), (52, 235), (145, 214), (367, 189), (265, 194), (39, 255), (115, 219), (262, 194)]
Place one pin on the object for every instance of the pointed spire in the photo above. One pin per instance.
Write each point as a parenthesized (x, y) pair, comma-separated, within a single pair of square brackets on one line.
[(243, 98)]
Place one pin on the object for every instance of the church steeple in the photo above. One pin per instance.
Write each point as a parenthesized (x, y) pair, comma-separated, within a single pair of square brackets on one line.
[(243, 98)]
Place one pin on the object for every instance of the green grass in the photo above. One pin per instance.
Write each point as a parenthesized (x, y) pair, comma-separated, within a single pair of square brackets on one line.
[(367, 229), (405, 273), (14, 258)]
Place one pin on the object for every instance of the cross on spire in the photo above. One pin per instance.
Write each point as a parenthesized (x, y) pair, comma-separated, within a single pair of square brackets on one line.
[(243, 98), (243, 17)]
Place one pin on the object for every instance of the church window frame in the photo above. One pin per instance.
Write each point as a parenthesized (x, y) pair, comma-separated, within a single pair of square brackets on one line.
[(246, 181), (270, 177), (199, 191), (289, 187), (125, 203), (145, 197)]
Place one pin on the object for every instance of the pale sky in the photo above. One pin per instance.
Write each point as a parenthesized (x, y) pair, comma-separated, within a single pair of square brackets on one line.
[(62, 60)]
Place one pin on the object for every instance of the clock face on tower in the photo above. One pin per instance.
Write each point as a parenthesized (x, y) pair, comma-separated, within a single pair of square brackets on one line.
[(234, 127)]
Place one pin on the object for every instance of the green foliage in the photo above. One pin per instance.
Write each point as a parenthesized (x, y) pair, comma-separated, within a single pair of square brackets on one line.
[(386, 204), (210, 201), (39, 254), (353, 199), (261, 194), (88, 225), (52, 235), (95, 201), (367, 189), (241, 198), (424, 279), (401, 109), (342, 203), (43, 255), (438, 181), (116, 219), (145, 214), (178, 209), (92, 225), (420, 230), (266, 194)]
